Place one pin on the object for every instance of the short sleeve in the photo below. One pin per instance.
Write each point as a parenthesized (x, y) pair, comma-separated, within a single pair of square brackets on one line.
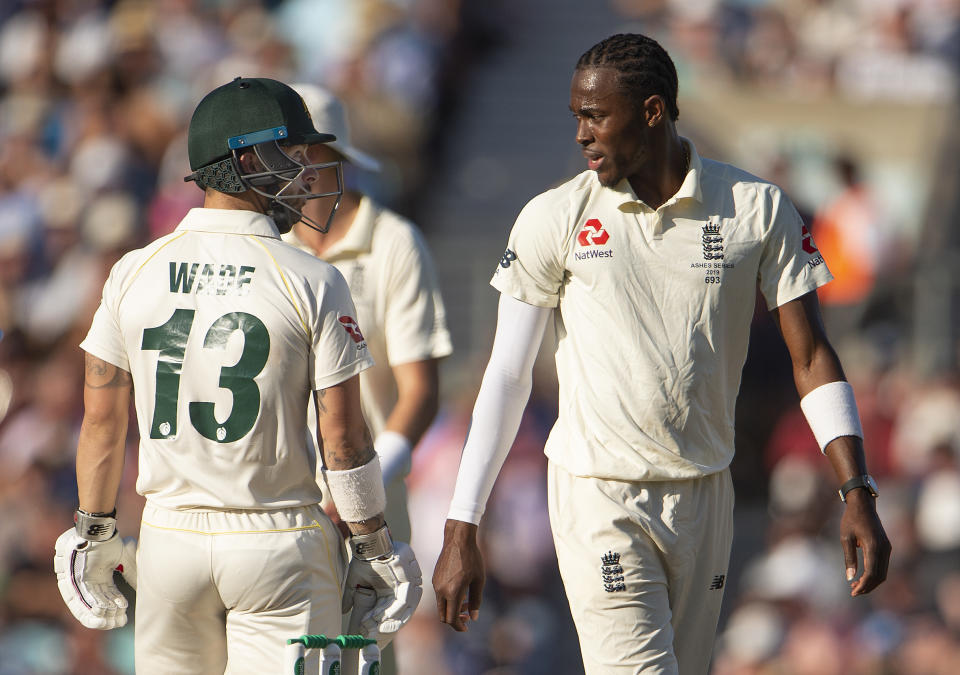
[(790, 264), (415, 325), (105, 339), (532, 268), (338, 350)]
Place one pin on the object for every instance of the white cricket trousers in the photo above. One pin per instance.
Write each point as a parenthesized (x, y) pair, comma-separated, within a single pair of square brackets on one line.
[(643, 565), (222, 591)]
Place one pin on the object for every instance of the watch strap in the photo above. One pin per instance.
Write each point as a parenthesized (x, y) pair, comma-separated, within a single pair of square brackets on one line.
[(862, 481)]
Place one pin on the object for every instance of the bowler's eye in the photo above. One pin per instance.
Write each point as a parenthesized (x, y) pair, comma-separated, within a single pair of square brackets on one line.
[(588, 115)]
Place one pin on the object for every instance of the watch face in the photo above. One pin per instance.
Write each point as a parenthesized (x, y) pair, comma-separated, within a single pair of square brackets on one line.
[(871, 484)]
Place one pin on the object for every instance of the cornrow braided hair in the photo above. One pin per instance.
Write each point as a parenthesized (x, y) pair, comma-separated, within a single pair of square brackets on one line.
[(644, 67)]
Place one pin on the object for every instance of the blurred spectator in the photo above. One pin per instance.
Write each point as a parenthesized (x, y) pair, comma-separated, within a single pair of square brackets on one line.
[(928, 420)]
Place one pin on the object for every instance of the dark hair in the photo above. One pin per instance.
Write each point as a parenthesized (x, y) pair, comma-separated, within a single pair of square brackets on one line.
[(643, 66)]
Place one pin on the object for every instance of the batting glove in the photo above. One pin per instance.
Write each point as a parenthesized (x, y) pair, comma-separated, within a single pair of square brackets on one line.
[(85, 577), (398, 583)]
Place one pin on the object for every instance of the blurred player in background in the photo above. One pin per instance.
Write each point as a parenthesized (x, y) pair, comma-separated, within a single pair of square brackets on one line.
[(648, 263), (394, 285), (221, 332)]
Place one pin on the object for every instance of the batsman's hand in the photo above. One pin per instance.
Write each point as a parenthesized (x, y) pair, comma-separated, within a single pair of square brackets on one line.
[(458, 577), (398, 583), (85, 577)]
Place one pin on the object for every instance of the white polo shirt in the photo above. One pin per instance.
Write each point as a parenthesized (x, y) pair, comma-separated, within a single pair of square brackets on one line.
[(394, 284), (225, 330), (654, 312)]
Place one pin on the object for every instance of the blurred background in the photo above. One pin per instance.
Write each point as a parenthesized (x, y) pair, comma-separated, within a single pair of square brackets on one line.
[(850, 105)]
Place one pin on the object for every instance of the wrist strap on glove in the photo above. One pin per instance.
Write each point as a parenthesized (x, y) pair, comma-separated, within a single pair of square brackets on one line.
[(371, 546), (95, 526)]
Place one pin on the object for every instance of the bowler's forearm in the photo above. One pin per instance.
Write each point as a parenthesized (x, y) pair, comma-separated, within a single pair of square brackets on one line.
[(820, 368), (847, 457)]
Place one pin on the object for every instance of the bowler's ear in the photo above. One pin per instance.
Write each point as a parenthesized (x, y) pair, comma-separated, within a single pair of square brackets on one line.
[(654, 110)]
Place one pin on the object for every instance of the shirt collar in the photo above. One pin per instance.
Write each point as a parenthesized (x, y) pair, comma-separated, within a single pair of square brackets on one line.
[(229, 221), (689, 188)]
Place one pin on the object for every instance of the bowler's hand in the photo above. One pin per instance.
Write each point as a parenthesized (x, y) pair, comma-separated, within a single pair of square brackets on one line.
[(861, 528), (458, 577)]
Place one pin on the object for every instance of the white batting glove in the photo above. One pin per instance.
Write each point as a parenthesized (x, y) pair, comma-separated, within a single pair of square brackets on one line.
[(85, 578), (398, 583)]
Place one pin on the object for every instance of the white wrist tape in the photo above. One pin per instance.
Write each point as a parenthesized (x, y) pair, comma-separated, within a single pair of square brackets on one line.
[(394, 451), (358, 492), (831, 412)]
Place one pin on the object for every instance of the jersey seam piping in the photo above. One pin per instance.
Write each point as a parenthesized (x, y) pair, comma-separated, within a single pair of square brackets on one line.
[(286, 285), (143, 264), (314, 526)]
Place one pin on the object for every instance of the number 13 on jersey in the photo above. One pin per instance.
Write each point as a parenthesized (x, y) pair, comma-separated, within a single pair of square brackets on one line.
[(170, 339)]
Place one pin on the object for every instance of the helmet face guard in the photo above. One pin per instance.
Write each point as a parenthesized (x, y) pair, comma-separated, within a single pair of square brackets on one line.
[(282, 184)]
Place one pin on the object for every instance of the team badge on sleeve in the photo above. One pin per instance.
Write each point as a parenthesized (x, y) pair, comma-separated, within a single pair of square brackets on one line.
[(507, 258)]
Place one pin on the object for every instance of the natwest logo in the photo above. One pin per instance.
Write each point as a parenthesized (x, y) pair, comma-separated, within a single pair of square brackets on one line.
[(593, 233), (807, 242), (352, 328)]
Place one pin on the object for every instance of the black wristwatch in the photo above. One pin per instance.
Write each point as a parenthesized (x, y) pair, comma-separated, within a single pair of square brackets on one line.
[(864, 481)]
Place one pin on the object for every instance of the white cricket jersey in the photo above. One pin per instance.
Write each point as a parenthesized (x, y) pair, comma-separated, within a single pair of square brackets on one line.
[(654, 312), (226, 330), (394, 285)]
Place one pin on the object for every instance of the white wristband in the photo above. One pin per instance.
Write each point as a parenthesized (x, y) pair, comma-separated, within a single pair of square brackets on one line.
[(394, 451), (358, 493), (831, 412)]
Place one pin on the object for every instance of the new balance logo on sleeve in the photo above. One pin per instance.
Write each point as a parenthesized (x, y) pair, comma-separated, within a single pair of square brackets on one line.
[(717, 582)]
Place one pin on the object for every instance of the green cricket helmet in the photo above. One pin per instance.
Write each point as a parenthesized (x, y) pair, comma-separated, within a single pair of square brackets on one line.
[(262, 115)]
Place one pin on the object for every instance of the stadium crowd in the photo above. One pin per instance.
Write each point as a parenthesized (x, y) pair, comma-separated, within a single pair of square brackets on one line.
[(95, 97)]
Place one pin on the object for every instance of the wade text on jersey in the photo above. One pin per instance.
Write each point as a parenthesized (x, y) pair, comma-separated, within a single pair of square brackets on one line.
[(213, 278)]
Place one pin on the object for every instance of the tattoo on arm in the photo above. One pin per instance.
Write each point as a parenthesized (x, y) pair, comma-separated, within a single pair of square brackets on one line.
[(321, 408), (102, 375), (344, 437), (345, 455)]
